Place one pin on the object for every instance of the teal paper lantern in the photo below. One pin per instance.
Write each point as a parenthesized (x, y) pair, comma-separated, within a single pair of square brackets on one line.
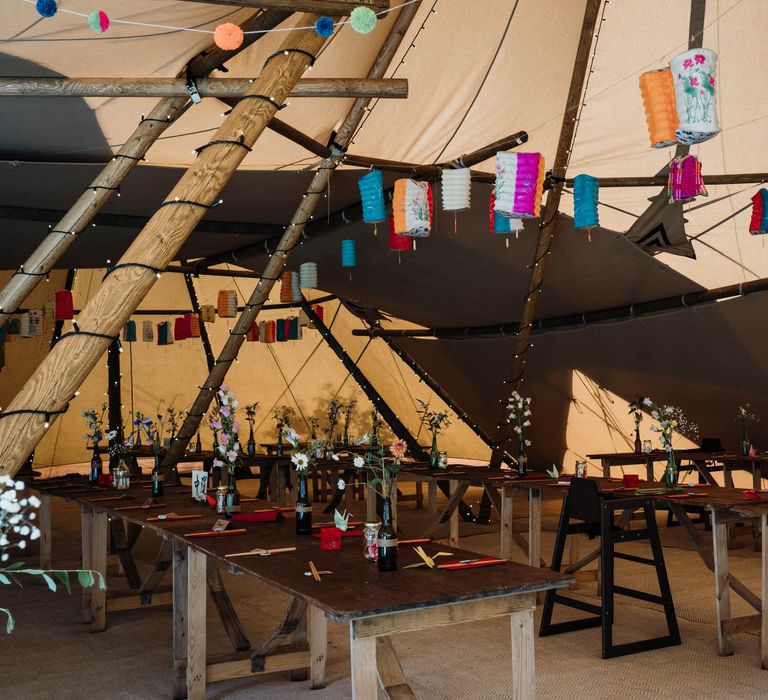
[(585, 194), (348, 253)]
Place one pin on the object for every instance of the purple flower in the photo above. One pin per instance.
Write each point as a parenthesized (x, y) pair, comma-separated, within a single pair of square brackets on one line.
[(225, 411), (224, 439)]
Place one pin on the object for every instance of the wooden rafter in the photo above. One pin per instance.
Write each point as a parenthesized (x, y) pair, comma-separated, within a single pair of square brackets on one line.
[(334, 8), (547, 227)]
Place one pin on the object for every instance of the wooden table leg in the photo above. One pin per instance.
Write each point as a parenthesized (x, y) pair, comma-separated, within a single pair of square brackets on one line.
[(99, 530), (453, 536), (507, 522), (649, 469), (432, 501), (728, 474), (44, 524), (534, 528), (390, 671), (764, 579), (197, 592), (179, 619), (318, 647), (86, 529), (523, 668), (722, 587), (362, 653)]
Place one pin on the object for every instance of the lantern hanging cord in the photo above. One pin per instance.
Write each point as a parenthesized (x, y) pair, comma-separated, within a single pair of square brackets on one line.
[(240, 142), (154, 119), (143, 266), (285, 52), (90, 334)]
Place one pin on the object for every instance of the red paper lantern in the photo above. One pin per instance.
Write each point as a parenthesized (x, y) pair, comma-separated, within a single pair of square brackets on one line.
[(194, 325), (396, 241), (63, 307), (252, 336)]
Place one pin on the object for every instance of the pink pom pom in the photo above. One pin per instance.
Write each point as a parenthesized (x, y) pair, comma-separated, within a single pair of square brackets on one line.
[(228, 36)]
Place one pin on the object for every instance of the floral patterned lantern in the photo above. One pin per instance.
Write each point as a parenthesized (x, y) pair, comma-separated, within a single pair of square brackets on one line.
[(519, 184), (694, 76), (658, 90), (412, 208)]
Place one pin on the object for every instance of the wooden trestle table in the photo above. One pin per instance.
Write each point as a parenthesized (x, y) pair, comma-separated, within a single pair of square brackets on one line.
[(373, 604)]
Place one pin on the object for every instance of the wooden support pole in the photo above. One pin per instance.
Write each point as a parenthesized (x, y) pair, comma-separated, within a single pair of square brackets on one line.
[(63, 233), (335, 8), (196, 624), (290, 238), (180, 573), (389, 88), (52, 386), (547, 227), (99, 529)]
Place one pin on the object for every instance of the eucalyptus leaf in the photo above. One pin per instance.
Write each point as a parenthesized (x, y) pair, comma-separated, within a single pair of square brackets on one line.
[(9, 624), (85, 578), (4, 579), (51, 583), (63, 576)]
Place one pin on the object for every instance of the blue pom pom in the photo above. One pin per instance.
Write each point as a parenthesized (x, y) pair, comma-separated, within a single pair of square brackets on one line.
[(324, 26), (46, 8)]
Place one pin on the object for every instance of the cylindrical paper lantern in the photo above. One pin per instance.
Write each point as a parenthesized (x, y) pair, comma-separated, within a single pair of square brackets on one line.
[(759, 221), (296, 286), (694, 76), (227, 303), (252, 336), (685, 181), (24, 325), (585, 192), (181, 328), (396, 241), (262, 331), (308, 275), (658, 90), (14, 326), (293, 328), (456, 187), (63, 306), (411, 208), (147, 331), (519, 184), (194, 326), (348, 253), (372, 197), (164, 333), (269, 336), (129, 332), (207, 314), (289, 288)]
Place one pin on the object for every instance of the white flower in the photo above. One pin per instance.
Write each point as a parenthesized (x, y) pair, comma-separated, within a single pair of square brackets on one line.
[(335, 457), (359, 462), (218, 463), (517, 429), (526, 424), (35, 534), (301, 461), (362, 440), (23, 530), (6, 480), (232, 455), (646, 402), (291, 436), (222, 449), (3, 540), (527, 443), (224, 400), (19, 485), (5, 557), (22, 545), (341, 485), (235, 403)]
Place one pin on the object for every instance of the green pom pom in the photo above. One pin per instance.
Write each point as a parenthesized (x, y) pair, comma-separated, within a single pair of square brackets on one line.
[(363, 20)]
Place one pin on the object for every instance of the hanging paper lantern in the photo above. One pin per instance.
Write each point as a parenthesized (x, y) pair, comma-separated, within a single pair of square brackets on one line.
[(585, 193), (396, 241), (228, 36), (519, 184), (98, 21), (194, 325), (25, 325), (502, 224), (262, 331), (164, 333), (63, 305), (208, 314), (269, 336), (308, 275), (296, 286), (685, 181), (129, 332), (759, 221), (303, 319), (252, 336), (412, 208), (293, 328), (48, 309), (290, 292), (227, 303), (46, 8), (456, 187), (181, 327), (324, 26), (363, 20), (318, 309), (658, 91), (348, 253), (372, 197), (147, 331), (693, 73)]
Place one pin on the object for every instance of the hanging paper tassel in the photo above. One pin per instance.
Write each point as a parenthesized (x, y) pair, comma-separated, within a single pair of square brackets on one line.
[(372, 197), (759, 221), (308, 275), (685, 181), (194, 325), (694, 76), (519, 184), (207, 314), (63, 305), (658, 91), (147, 331), (129, 332), (585, 194), (456, 189), (412, 208), (252, 336), (348, 253), (227, 303)]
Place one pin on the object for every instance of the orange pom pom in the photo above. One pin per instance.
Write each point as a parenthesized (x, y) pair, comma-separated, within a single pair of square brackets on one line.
[(228, 36)]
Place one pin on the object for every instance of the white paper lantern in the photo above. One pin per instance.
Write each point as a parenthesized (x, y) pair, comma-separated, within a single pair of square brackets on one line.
[(456, 185), (308, 275), (694, 75)]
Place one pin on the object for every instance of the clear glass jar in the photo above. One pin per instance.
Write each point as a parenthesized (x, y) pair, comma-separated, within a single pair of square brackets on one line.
[(120, 476), (370, 545)]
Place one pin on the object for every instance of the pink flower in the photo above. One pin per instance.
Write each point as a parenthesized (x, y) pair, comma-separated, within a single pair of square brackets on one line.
[(224, 387), (701, 92), (700, 58), (225, 411), (687, 63), (236, 425), (694, 82), (216, 425), (397, 449), (712, 80), (224, 439)]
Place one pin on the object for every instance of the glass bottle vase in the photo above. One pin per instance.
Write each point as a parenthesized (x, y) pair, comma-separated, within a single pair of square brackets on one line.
[(434, 454), (744, 440), (670, 471), (522, 459), (157, 477), (250, 446), (96, 464), (387, 540), (232, 498), (303, 508), (279, 450)]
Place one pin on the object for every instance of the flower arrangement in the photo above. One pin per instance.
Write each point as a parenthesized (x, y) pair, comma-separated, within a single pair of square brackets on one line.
[(17, 528), (94, 421), (745, 417), (520, 412), (636, 408), (304, 457), (670, 420), (250, 412), (138, 418), (172, 417), (348, 408), (229, 444), (375, 427), (119, 446), (313, 426), (434, 421), (152, 430), (283, 415), (384, 468)]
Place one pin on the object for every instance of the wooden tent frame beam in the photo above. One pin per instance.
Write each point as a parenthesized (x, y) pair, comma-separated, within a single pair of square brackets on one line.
[(547, 226), (80, 215), (51, 387), (334, 8), (384, 88), (288, 241)]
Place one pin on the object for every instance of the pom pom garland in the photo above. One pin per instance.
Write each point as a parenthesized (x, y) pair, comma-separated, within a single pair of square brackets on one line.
[(585, 193), (363, 20), (759, 221), (324, 26), (98, 21), (228, 36), (46, 8)]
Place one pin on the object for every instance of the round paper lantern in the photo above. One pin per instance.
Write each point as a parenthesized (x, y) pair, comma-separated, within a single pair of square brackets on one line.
[(456, 186), (685, 181), (228, 36), (585, 193), (46, 8), (693, 73), (348, 253), (98, 21), (363, 20), (658, 91), (412, 208), (308, 275), (372, 197), (519, 184), (759, 221)]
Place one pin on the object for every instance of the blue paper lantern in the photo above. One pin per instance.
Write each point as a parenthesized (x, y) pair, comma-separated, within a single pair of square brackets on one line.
[(348, 253), (585, 193), (293, 328), (280, 334), (129, 332), (372, 196)]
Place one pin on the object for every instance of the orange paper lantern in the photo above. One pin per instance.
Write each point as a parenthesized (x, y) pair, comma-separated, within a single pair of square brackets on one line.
[(658, 90)]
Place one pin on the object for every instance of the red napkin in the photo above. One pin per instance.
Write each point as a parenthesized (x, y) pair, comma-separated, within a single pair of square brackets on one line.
[(259, 516), (211, 500), (752, 495)]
